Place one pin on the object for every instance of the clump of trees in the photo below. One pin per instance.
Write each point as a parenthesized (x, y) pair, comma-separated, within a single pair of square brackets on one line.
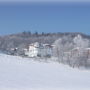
[(73, 51)]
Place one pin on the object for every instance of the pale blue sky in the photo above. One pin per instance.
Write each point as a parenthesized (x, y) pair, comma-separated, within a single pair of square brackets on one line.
[(44, 17)]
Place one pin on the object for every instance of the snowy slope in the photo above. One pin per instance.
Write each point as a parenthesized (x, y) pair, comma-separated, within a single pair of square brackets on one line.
[(18, 73)]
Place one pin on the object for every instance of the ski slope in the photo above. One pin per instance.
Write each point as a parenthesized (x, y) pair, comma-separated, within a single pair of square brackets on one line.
[(18, 73)]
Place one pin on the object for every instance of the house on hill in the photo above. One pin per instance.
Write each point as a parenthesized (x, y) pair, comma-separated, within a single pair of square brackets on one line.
[(39, 50)]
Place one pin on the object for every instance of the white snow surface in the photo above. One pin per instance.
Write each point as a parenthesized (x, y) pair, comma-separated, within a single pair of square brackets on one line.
[(17, 73)]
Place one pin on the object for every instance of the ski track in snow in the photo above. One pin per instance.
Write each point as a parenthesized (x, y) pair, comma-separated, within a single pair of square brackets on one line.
[(17, 73)]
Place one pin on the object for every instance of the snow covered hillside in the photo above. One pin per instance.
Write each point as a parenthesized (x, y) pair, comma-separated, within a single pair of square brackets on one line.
[(18, 73)]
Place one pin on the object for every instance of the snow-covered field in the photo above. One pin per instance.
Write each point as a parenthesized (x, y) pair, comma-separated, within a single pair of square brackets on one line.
[(18, 73)]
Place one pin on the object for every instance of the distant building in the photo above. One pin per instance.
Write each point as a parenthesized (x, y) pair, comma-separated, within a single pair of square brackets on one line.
[(39, 50), (13, 51), (78, 52)]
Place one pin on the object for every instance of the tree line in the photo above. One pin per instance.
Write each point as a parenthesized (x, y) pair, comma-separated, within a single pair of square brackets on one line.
[(64, 44)]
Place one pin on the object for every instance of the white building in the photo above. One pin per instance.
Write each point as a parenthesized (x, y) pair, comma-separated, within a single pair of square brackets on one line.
[(39, 50)]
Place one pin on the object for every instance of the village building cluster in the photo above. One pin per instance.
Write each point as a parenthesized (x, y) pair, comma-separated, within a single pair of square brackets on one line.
[(46, 50), (39, 50)]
